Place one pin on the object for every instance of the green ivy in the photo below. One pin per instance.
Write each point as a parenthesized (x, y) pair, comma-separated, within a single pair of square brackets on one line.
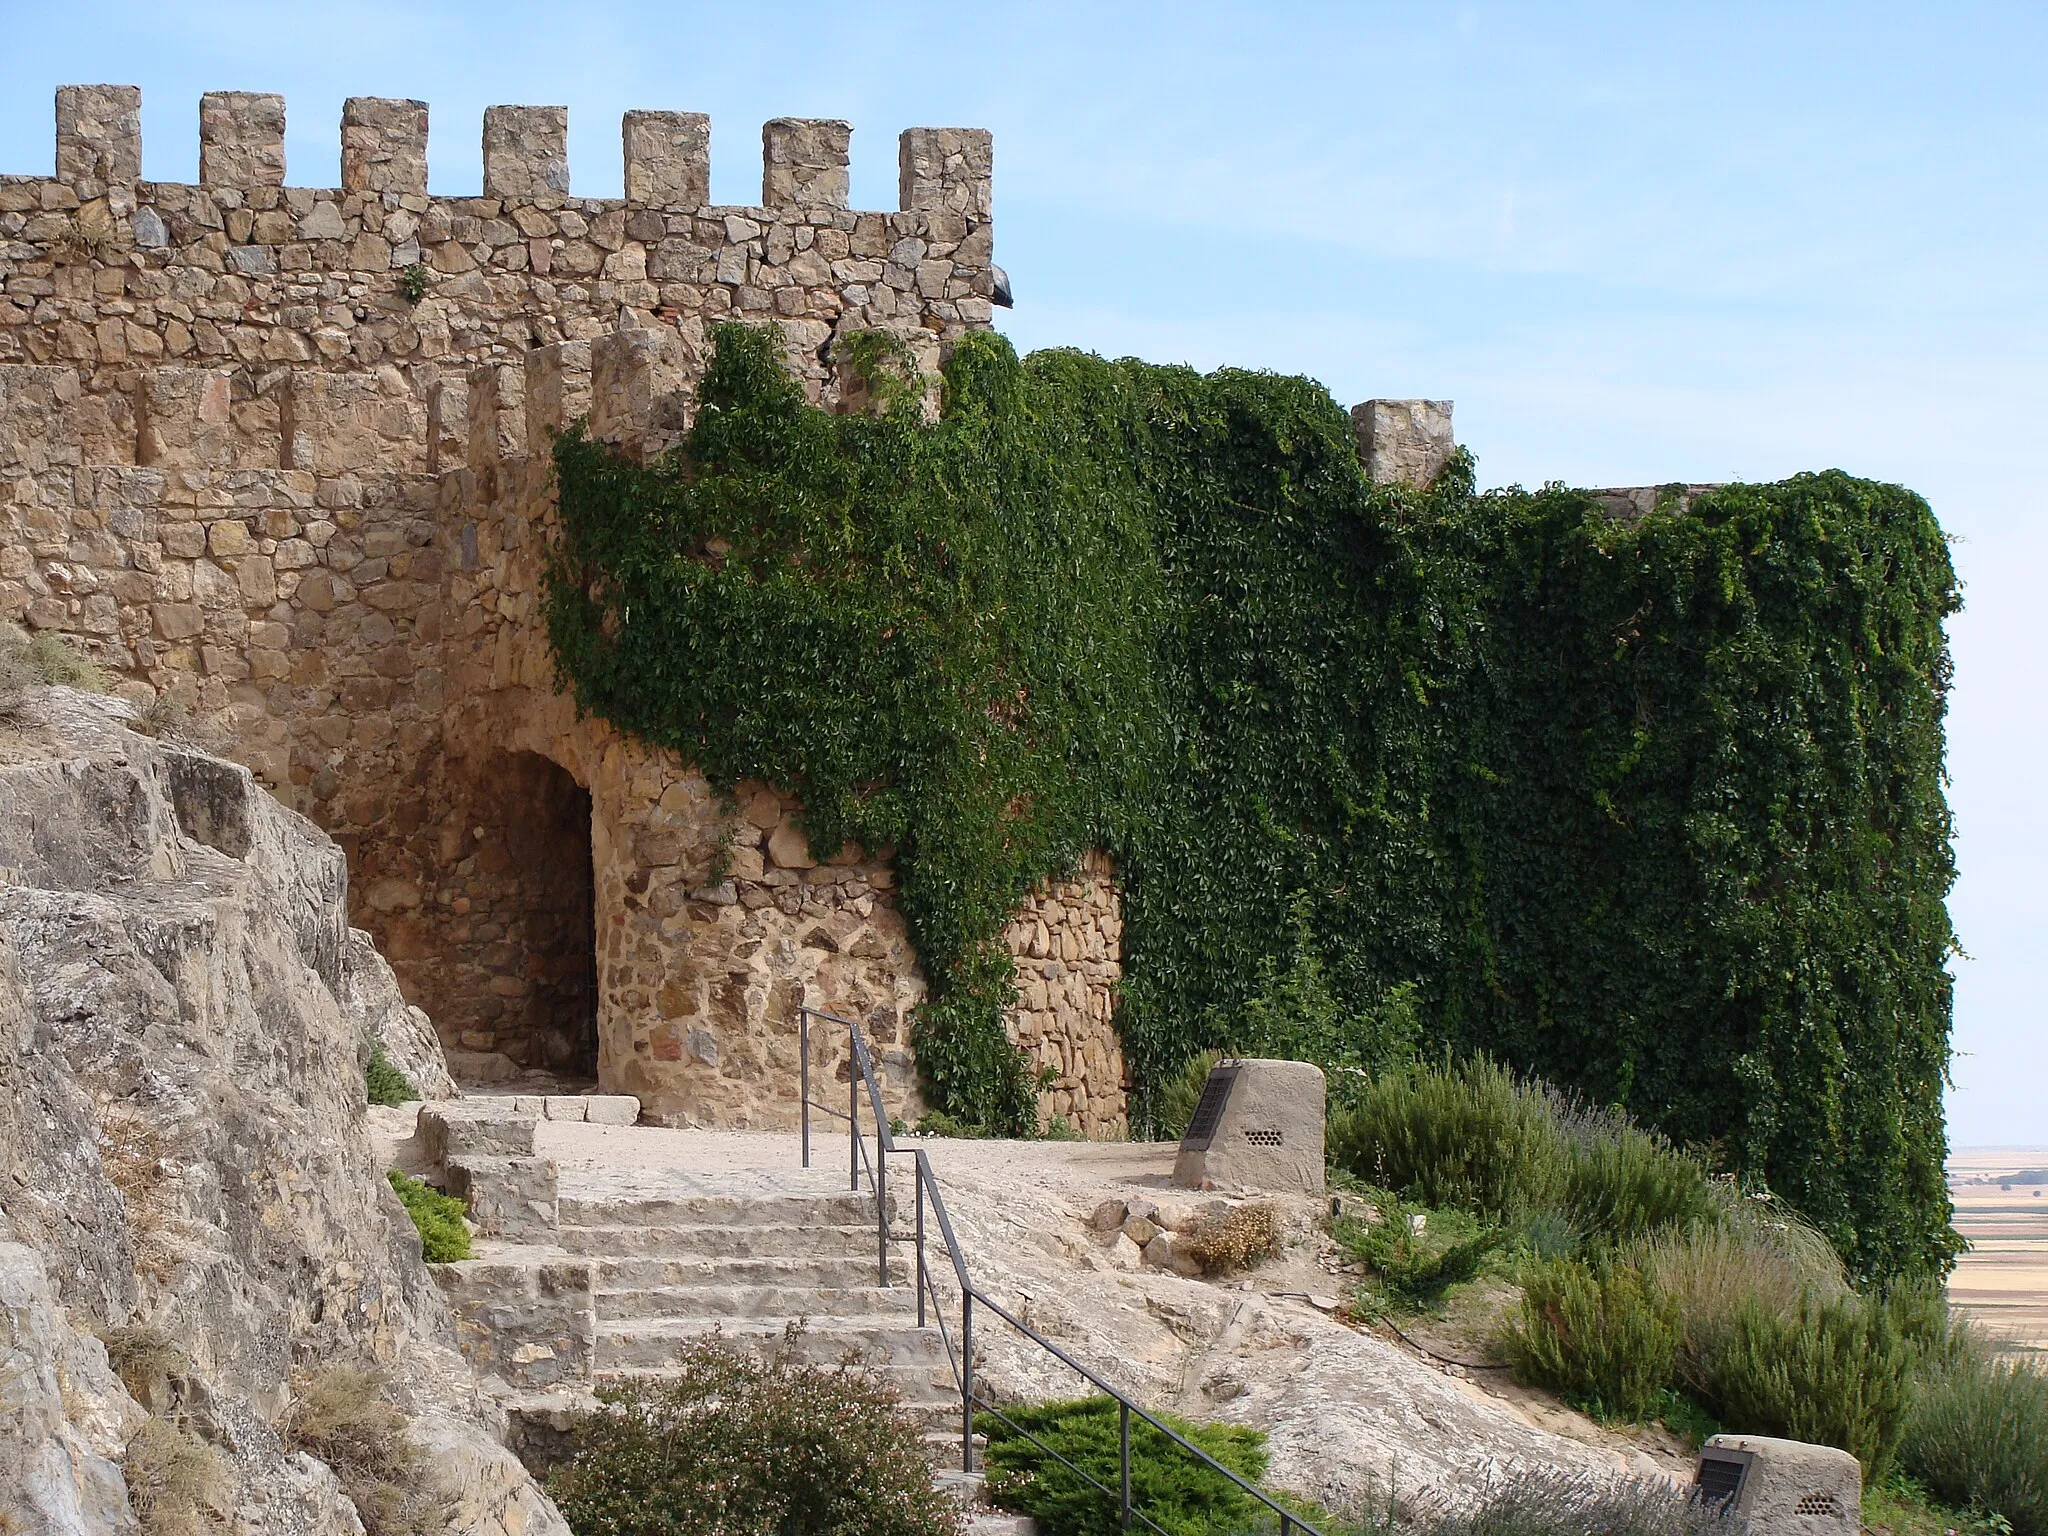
[(1651, 807)]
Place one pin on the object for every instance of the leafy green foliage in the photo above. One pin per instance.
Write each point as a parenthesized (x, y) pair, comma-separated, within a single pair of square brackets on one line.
[(1172, 1489), (1598, 1334), (1835, 1372), (1977, 1435), (1652, 807), (732, 1442), (1475, 1137), (444, 1237), (1414, 1268), (386, 1084)]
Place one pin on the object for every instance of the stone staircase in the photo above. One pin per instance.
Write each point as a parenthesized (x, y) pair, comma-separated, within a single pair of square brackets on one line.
[(586, 1278)]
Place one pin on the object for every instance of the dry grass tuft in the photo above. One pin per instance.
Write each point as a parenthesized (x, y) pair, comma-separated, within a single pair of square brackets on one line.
[(345, 1418), (178, 1485), (39, 660), (143, 1356), (1241, 1237)]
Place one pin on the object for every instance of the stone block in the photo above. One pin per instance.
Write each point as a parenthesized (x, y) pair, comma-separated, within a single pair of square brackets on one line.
[(557, 391), (241, 139), (668, 158), (1259, 1125), (564, 1106), (946, 170), (611, 1109), (185, 419), (1782, 1487), (99, 135), (532, 1324), (1403, 441), (497, 414), (472, 1127), (638, 383), (384, 145), (526, 153), (803, 162), (513, 1198)]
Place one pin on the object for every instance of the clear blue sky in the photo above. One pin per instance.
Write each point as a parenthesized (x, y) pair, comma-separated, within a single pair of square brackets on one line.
[(1634, 243)]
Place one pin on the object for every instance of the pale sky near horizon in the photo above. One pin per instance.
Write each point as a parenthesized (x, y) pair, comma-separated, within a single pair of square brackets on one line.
[(1634, 243)]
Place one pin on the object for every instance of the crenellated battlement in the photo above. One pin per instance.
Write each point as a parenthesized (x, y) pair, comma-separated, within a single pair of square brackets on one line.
[(384, 152)]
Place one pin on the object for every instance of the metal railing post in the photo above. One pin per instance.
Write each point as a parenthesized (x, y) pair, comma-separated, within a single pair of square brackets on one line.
[(919, 1278), (1123, 1436), (881, 1214), (853, 1110), (966, 1379), (803, 1047)]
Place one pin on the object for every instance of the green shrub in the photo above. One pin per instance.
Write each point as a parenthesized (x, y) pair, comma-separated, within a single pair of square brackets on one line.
[(386, 1084), (1173, 1490), (39, 660), (734, 1442), (1474, 1136), (1174, 1100), (1716, 1273), (1977, 1435), (444, 1236), (1597, 1333), (346, 1417), (1834, 1372), (1413, 1268)]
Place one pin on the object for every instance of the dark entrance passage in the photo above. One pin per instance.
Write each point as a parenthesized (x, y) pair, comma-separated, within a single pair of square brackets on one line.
[(523, 942)]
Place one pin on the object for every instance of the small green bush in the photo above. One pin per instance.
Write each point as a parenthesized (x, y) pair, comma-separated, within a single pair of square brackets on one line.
[(1835, 1372), (1174, 1101), (1475, 1137), (39, 660), (1716, 1273), (444, 1236), (1597, 1333), (734, 1442), (1977, 1435), (386, 1084), (1177, 1493), (1413, 1268)]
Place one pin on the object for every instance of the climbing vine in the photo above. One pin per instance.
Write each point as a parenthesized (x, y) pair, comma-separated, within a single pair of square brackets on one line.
[(1653, 807)]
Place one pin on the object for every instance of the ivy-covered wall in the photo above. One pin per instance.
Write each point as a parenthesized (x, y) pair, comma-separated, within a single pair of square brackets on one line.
[(1653, 807)]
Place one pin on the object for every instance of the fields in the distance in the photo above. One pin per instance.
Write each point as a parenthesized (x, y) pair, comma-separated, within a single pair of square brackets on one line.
[(2003, 1211)]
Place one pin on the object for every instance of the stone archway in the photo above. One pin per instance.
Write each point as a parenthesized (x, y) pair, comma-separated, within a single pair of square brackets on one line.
[(515, 974)]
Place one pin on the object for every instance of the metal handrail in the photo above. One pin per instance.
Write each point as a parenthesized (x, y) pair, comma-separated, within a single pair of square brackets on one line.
[(927, 1186)]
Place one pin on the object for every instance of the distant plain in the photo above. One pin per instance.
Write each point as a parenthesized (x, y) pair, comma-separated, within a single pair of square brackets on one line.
[(2001, 1199)]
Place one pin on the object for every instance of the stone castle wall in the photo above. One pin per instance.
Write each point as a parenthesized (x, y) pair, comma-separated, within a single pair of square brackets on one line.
[(277, 456)]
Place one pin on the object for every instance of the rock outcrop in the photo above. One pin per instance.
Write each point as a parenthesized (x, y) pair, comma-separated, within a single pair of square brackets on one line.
[(184, 1150)]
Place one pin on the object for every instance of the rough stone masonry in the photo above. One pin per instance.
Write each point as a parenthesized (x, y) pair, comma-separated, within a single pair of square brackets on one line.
[(279, 455)]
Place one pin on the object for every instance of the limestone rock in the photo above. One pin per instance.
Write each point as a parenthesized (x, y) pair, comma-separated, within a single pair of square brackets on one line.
[(184, 1142)]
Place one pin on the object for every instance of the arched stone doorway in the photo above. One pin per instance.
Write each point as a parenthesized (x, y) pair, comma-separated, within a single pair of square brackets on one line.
[(517, 966)]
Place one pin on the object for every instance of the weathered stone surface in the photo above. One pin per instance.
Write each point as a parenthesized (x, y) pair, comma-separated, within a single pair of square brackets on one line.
[(506, 1197), (99, 135), (668, 158), (241, 139), (946, 170), (383, 145), (1269, 1135), (526, 153), (1404, 441), (1790, 1487), (183, 1132), (803, 162)]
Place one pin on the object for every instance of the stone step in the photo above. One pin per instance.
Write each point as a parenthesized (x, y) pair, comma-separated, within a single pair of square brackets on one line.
[(804, 1269), (751, 1301), (662, 1240), (686, 1210), (651, 1343)]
